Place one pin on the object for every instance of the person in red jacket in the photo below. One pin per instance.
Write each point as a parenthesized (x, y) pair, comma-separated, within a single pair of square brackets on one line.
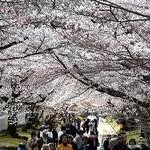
[(93, 141)]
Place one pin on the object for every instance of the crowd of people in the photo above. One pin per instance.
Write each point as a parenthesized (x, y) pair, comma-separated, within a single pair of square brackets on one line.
[(119, 142), (73, 134)]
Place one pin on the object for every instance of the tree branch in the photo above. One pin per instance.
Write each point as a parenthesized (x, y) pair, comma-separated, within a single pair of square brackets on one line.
[(112, 92), (9, 45), (113, 5), (46, 51)]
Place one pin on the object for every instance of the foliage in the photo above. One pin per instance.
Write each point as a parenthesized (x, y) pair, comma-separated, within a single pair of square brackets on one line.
[(69, 50)]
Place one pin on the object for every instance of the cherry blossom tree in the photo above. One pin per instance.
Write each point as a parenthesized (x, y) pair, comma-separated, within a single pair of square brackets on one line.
[(83, 46)]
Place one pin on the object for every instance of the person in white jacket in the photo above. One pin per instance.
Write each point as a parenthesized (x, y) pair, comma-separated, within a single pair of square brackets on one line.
[(78, 139)]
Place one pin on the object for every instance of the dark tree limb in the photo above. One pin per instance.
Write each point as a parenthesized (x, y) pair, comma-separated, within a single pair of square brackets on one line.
[(113, 5), (4, 98), (92, 84), (46, 51), (9, 45)]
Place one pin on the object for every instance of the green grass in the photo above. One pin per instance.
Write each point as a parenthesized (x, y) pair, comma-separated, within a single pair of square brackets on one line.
[(26, 133), (133, 134), (7, 141)]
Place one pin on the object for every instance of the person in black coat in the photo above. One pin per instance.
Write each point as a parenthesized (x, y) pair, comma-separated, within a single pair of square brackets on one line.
[(85, 145), (71, 130), (93, 141), (55, 135), (71, 142), (106, 143), (122, 139)]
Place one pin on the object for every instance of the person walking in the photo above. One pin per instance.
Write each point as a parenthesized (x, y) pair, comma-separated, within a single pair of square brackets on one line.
[(32, 142), (64, 143), (106, 142), (52, 146), (61, 132), (85, 145), (93, 141), (71, 142), (132, 145), (45, 147), (122, 139), (143, 144), (78, 139)]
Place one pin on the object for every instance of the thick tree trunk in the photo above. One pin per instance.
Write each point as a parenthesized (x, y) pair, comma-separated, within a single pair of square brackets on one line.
[(12, 130)]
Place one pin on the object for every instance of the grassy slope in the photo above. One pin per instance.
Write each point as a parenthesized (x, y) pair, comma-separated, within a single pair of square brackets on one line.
[(7, 140), (133, 134)]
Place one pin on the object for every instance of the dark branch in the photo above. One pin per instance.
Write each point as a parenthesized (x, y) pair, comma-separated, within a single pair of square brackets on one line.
[(9, 45), (34, 103), (88, 82), (58, 59), (108, 90), (96, 18), (113, 5), (4, 98), (46, 51)]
